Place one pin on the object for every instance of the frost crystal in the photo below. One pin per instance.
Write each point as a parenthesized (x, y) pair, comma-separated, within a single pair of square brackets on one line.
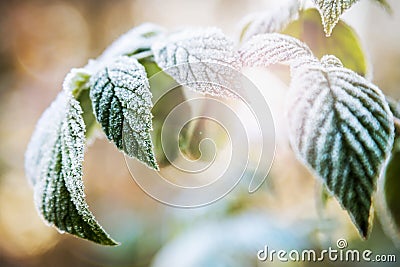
[(203, 59), (269, 21), (53, 164), (122, 104)]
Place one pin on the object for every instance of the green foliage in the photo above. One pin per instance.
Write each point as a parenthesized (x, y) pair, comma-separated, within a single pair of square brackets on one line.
[(340, 124)]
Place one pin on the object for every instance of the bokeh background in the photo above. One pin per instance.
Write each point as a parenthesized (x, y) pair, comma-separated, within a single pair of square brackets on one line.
[(40, 41)]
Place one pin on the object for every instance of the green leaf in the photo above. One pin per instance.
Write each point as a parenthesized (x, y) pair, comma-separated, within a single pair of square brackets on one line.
[(331, 10), (77, 82), (343, 43), (134, 42), (342, 128), (203, 59), (340, 124), (122, 104), (53, 164), (388, 196)]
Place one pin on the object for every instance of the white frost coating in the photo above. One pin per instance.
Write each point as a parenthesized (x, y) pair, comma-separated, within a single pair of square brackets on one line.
[(269, 21), (203, 59), (331, 10), (341, 127), (271, 48), (53, 164), (122, 104)]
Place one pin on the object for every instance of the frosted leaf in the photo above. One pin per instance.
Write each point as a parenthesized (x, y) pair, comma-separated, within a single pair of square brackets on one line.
[(331, 10), (76, 80), (77, 83), (203, 59), (341, 127), (53, 163), (139, 39), (269, 21), (122, 104), (271, 48)]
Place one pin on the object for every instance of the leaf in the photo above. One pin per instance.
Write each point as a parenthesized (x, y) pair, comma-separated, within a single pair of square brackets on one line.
[(388, 198), (331, 10), (342, 128), (203, 59), (343, 42), (266, 49), (340, 124), (138, 40), (268, 21), (53, 164), (122, 104), (77, 82)]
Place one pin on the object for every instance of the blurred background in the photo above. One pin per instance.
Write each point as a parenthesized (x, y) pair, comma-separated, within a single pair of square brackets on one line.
[(40, 41)]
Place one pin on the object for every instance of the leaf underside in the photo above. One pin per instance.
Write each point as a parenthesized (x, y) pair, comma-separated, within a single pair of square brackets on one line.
[(122, 104), (54, 166)]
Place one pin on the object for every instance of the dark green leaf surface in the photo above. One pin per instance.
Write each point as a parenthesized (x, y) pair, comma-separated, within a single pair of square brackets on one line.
[(53, 164), (122, 104)]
